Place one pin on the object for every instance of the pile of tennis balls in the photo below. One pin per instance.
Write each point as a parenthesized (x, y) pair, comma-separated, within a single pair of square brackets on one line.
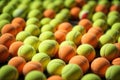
[(59, 40)]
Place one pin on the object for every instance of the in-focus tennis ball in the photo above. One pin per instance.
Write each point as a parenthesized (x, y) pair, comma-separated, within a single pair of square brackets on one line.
[(55, 77), (2, 23), (13, 49), (116, 26), (90, 38), (43, 58), (74, 36), (32, 65), (33, 41), (35, 75), (55, 66), (22, 35), (50, 13), (4, 54), (60, 35), (7, 39), (72, 72), (8, 72), (46, 35), (116, 61), (86, 50), (80, 60), (5, 16), (87, 24), (113, 72), (49, 46), (91, 76), (26, 51), (33, 29), (99, 66), (18, 63), (109, 51), (66, 52)]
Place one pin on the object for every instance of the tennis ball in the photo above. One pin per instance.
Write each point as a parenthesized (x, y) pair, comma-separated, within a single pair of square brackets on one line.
[(74, 36), (113, 72), (66, 53), (87, 24), (33, 41), (55, 66), (115, 7), (50, 13), (117, 46), (63, 17), (60, 35), (59, 4), (8, 9), (65, 11), (35, 75), (33, 29), (116, 26), (99, 66), (43, 58), (91, 76), (86, 50), (109, 51), (5, 16), (90, 38), (31, 66), (84, 14), (26, 51), (114, 19), (65, 26), (46, 3), (46, 35), (116, 61), (69, 3), (7, 39), (22, 35), (101, 23), (33, 20), (80, 3), (101, 8), (4, 53), (79, 28), (55, 77), (80, 60), (88, 7), (36, 5), (92, 3), (20, 21), (2, 23), (8, 72), (18, 63), (35, 13), (111, 13), (55, 22), (45, 21), (17, 27), (49, 46), (71, 72), (97, 31), (53, 7), (13, 49), (9, 28), (99, 15)]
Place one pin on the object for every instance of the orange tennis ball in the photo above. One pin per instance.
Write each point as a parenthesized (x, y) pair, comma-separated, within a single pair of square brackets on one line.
[(4, 54), (13, 49), (7, 39), (101, 8), (32, 65), (118, 47), (20, 21), (66, 52), (99, 66), (54, 77), (80, 60), (74, 12), (50, 13), (17, 62), (115, 8), (65, 26), (9, 28), (85, 23), (17, 27), (116, 61)]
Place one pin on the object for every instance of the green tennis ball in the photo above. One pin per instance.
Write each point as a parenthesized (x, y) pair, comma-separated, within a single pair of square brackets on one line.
[(92, 3), (53, 7), (5, 16), (69, 3), (112, 20), (43, 58), (22, 35), (59, 3), (72, 72), (36, 5), (8, 72), (45, 21), (33, 29), (35, 75), (46, 35), (74, 36), (116, 26), (104, 2), (91, 76), (101, 23), (88, 7), (33, 41), (99, 15), (8, 9), (109, 51), (49, 46), (111, 13), (46, 2), (65, 11), (26, 51), (2, 23), (55, 66), (86, 50), (113, 73), (55, 22), (62, 17)]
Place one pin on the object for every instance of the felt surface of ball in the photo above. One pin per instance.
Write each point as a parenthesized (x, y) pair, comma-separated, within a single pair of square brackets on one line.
[(55, 77), (116, 61)]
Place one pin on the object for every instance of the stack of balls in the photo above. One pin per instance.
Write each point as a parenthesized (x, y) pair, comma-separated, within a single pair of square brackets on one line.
[(59, 40)]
